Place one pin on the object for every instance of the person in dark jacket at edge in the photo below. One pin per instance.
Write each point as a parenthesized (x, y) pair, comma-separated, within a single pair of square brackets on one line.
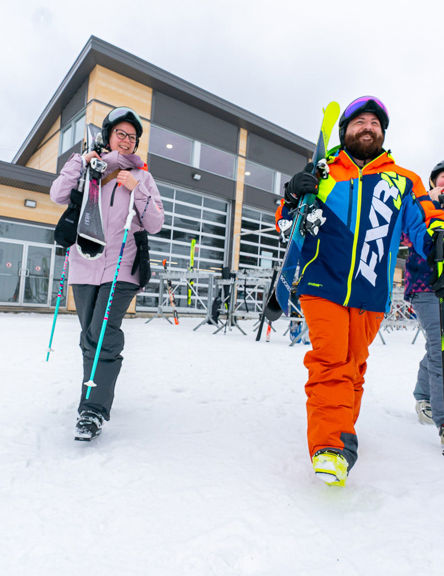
[(429, 389), (347, 272)]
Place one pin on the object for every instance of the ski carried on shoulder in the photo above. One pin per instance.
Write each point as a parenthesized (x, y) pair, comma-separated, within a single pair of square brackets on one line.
[(439, 263), (307, 219), (90, 236)]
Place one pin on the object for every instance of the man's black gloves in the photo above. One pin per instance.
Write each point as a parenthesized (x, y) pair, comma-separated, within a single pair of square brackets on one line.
[(302, 183), (436, 260)]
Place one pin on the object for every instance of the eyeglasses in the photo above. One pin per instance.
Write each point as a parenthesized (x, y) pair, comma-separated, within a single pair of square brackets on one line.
[(362, 102), (121, 135)]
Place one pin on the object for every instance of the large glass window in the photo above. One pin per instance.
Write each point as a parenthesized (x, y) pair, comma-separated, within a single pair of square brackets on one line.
[(19, 231), (66, 139), (217, 161), (259, 176), (79, 129), (180, 148), (72, 133), (170, 145)]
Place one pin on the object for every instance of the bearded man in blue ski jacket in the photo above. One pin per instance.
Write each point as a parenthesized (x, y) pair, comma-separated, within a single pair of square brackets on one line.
[(347, 272)]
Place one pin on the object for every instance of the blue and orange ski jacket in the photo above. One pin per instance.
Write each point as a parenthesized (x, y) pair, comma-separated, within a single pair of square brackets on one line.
[(352, 259)]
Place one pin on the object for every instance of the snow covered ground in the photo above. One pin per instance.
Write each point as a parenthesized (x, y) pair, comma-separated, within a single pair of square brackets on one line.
[(203, 469)]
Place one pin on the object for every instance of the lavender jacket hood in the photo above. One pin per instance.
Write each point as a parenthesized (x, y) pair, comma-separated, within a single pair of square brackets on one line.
[(149, 216)]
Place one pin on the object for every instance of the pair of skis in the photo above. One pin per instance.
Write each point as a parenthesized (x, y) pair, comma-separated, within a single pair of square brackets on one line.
[(90, 240), (307, 220)]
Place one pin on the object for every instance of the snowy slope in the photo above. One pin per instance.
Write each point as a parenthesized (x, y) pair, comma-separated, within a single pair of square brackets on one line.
[(203, 469)]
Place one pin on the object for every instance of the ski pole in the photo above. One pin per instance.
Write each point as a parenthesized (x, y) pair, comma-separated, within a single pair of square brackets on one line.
[(268, 333), (59, 298), (191, 269), (131, 214), (263, 315), (171, 294)]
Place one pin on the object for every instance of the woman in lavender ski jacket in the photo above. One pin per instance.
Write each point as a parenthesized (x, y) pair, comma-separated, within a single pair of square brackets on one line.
[(91, 278)]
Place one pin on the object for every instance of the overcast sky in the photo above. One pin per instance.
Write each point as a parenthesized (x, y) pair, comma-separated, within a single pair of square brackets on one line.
[(281, 59)]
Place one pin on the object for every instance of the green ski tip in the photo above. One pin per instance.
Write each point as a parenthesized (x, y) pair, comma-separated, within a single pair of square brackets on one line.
[(331, 115)]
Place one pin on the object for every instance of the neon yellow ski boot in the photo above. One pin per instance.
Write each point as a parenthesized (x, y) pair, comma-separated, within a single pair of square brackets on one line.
[(330, 467)]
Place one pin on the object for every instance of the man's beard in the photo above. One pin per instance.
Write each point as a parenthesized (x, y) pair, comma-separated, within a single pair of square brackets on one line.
[(364, 150)]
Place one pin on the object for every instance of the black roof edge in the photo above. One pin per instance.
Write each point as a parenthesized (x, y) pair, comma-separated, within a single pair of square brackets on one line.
[(97, 51), (25, 178)]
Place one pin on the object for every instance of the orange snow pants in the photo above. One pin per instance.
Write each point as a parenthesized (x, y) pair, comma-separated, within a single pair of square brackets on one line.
[(340, 339)]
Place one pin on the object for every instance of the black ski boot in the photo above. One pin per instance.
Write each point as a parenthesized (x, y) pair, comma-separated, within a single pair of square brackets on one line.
[(88, 426)]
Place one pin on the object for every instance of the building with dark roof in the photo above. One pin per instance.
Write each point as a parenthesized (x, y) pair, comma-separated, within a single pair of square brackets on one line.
[(220, 170)]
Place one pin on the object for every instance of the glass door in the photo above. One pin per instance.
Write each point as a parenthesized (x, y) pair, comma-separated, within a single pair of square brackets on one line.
[(25, 273), (59, 261), (11, 262), (36, 275)]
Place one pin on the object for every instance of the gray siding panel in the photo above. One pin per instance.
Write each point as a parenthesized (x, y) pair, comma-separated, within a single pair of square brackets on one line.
[(185, 119), (270, 154), (256, 198), (25, 178), (182, 175), (77, 103), (61, 160)]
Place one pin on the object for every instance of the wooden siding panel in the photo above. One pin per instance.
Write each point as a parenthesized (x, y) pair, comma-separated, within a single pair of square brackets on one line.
[(240, 184), (117, 90), (96, 112), (243, 137), (46, 154), (12, 205)]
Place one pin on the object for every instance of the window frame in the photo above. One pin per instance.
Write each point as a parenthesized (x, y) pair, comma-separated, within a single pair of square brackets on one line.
[(71, 125), (195, 153)]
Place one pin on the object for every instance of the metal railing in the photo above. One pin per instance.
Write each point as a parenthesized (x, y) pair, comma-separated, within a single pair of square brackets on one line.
[(224, 302)]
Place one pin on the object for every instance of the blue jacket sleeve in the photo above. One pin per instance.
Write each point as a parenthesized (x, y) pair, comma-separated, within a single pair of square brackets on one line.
[(415, 227)]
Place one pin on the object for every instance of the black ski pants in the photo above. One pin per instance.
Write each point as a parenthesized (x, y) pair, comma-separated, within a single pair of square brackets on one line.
[(91, 304)]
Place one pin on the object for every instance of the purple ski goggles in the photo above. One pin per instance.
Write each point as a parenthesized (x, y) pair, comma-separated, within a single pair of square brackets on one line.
[(367, 104)]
